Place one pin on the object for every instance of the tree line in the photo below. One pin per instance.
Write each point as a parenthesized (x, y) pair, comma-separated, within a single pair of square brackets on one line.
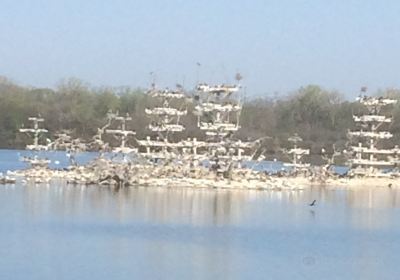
[(319, 116)]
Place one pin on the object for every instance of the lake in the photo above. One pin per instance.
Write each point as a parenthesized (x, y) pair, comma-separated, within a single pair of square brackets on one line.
[(68, 232)]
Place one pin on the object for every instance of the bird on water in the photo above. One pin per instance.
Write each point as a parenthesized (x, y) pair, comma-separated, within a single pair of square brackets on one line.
[(313, 203)]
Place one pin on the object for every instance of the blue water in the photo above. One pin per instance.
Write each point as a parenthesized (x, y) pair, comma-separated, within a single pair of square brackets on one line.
[(10, 159), (64, 232)]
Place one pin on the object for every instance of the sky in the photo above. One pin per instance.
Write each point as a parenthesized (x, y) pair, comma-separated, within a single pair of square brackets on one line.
[(277, 45)]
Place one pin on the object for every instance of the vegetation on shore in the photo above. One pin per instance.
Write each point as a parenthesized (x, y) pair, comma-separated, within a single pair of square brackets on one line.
[(319, 116)]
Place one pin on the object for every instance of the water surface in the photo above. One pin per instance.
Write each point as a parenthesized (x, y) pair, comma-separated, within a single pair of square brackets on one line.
[(65, 232)]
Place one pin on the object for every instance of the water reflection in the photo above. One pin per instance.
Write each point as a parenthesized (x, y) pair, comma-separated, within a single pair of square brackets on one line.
[(373, 198), (197, 234), (154, 205), (199, 207)]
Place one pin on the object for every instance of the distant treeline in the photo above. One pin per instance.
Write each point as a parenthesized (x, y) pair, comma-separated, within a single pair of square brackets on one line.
[(320, 117)]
